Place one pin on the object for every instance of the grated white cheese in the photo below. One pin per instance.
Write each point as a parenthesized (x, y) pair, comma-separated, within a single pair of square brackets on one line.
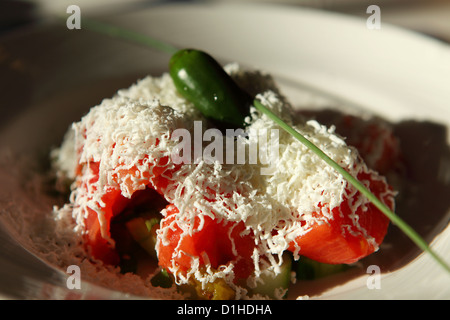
[(130, 134)]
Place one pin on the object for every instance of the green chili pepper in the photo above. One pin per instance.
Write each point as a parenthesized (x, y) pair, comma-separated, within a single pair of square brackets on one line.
[(201, 79)]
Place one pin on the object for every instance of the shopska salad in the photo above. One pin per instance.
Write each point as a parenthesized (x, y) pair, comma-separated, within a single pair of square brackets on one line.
[(166, 168)]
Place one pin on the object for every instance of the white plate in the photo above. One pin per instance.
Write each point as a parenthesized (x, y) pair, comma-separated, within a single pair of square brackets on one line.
[(389, 72)]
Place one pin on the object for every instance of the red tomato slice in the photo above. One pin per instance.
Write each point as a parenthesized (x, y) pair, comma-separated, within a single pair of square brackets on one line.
[(239, 247), (374, 138), (375, 142), (177, 250), (99, 247), (215, 243), (340, 239), (114, 204), (98, 244)]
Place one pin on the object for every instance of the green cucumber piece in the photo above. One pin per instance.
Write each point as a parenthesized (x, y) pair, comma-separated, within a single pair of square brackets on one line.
[(143, 232), (271, 282), (308, 269)]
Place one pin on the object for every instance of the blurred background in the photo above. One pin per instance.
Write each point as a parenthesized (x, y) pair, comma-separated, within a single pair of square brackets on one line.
[(431, 17)]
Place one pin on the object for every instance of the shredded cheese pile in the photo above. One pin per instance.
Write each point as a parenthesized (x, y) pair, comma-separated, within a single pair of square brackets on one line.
[(130, 133)]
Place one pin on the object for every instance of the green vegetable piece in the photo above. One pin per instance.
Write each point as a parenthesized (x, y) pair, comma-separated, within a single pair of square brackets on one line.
[(308, 269), (201, 79), (270, 283), (144, 233)]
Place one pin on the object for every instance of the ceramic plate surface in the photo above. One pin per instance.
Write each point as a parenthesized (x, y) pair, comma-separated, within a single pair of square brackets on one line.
[(54, 75)]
